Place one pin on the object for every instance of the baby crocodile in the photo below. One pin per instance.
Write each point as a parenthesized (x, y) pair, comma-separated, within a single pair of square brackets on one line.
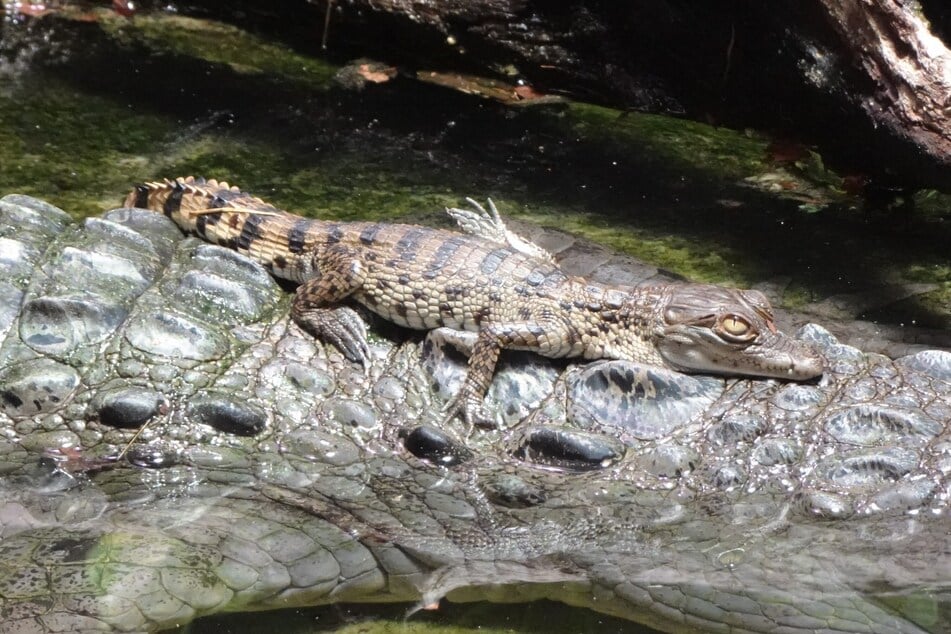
[(492, 289)]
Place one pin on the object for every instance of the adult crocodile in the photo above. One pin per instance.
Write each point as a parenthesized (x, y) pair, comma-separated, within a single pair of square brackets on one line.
[(265, 470)]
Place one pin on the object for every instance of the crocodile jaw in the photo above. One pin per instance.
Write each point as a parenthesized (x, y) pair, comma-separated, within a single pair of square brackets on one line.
[(778, 357)]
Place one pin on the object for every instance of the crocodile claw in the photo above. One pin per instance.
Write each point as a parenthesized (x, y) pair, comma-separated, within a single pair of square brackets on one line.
[(341, 327), (472, 412)]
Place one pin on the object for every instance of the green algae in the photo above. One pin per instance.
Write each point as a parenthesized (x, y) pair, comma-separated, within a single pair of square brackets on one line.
[(679, 254), (74, 149), (219, 43), (723, 152)]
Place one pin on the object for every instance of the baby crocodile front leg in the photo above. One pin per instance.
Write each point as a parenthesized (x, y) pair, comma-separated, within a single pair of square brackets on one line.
[(316, 307)]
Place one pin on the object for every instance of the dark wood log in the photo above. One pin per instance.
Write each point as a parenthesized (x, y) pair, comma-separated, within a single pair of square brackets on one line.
[(867, 81), (908, 66)]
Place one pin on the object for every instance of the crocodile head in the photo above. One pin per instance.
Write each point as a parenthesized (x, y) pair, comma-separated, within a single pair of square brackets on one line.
[(712, 329)]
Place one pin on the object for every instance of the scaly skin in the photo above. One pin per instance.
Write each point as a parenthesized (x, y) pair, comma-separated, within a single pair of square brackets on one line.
[(269, 472), (426, 278)]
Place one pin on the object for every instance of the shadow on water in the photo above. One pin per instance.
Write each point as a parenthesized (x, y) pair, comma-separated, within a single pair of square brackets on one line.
[(539, 617)]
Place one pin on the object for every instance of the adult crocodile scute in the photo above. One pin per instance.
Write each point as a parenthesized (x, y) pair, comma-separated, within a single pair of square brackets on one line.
[(274, 473)]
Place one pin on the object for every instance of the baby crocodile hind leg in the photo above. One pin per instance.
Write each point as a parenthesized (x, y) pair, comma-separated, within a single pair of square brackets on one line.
[(338, 274), (489, 343)]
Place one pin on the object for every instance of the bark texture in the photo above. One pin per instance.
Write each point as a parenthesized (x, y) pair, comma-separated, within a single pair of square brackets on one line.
[(908, 65), (867, 81)]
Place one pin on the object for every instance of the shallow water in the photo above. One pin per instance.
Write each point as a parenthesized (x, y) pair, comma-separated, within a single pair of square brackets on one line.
[(87, 108)]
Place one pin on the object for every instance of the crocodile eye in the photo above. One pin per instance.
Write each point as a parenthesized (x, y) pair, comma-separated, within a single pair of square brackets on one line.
[(736, 328)]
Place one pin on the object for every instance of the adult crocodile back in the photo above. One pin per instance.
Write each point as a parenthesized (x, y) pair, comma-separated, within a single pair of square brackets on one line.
[(268, 471)]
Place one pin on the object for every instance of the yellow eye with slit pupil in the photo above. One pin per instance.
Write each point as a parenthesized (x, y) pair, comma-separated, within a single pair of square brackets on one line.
[(736, 326)]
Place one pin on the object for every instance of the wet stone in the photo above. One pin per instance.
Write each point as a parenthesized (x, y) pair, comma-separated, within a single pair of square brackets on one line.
[(434, 445), (35, 387), (59, 325), (349, 413), (774, 451), (568, 448), (873, 424), (169, 335), (128, 408), (670, 461), (736, 429), (511, 491), (153, 456), (622, 271), (643, 401), (224, 414)]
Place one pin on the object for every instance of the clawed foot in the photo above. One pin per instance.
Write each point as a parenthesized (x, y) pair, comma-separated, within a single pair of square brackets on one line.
[(341, 327), (471, 411), (479, 222), (489, 225)]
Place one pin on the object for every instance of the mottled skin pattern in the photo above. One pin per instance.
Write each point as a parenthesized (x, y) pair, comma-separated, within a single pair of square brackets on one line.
[(425, 278), (172, 446)]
